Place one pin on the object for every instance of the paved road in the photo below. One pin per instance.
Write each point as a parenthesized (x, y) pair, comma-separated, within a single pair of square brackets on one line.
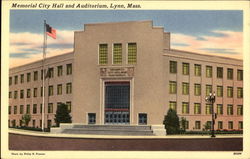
[(27, 142)]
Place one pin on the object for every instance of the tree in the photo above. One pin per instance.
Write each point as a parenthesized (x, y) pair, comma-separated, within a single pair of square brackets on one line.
[(171, 122), (26, 119), (62, 114)]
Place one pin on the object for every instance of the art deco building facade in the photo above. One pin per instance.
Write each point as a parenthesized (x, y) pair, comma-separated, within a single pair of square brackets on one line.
[(126, 73)]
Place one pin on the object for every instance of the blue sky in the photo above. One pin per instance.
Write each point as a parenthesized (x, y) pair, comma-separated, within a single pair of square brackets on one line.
[(210, 32)]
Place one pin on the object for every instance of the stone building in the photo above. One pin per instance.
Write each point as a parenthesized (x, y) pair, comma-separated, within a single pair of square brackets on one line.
[(126, 73)]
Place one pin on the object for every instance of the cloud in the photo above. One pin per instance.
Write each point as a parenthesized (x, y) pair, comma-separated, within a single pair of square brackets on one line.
[(27, 47), (229, 45)]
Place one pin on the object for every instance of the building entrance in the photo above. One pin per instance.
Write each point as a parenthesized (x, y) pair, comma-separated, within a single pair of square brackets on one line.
[(117, 102)]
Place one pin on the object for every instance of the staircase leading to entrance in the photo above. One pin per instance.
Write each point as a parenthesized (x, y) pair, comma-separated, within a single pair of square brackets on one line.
[(110, 130)]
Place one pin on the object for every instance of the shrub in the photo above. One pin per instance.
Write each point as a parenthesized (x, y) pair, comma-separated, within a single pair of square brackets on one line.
[(171, 122), (62, 114)]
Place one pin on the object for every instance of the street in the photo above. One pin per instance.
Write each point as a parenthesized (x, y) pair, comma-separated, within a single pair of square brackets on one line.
[(27, 142)]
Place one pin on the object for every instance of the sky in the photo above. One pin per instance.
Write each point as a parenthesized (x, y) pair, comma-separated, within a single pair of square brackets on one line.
[(206, 32)]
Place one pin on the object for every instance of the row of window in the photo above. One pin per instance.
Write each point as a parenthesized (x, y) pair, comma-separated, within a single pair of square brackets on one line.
[(209, 89), (49, 74), (117, 53), (220, 124), (34, 125), (208, 108), (35, 91), (142, 118), (209, 71), (23, 110)]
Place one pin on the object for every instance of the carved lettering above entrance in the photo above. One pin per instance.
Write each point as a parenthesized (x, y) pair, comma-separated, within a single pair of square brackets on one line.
[(117, 72)]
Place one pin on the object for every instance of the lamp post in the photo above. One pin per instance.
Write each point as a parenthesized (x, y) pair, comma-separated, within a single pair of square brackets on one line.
[(211, 99)]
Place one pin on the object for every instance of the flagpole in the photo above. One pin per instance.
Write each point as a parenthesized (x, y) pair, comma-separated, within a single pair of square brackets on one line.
[(43, 85)]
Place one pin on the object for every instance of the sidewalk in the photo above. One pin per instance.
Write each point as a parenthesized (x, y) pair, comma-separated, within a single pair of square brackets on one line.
[(47, 134)]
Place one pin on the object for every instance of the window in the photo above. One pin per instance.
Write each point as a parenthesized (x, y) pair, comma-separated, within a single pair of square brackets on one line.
[(21, 94), (27, 109), (35, 92), (142, 119), (42, 72), (9, 109), (229, 109), (69, 69), (68, 88), (197, 70), (58, 104), (240, 125), (185, 108), (172, 105), (28, 93), (13, 123), (40, 123), (209, 71), (20, 122), (50, 108), (185, 68), (186, 125), (28, 77), (10, 81), (22, 78), (34, 123), (209, 124), (34, 108), (117, 54), (197, 89), (92, 118), (15, 95), (197, 108), (59, 89), (172, 66), (16, 79), (239, 110), (41, 108), (185, 88), (230, 73), (15, 109), (219, 91), (208, 89), (59, 71), (230, 125), (21, 109), (239, 75), (197, 124), (50, 73), (172, 87), (220, 125), (68, 103), (230, 92), (219, 72), (41, 93), (10, 94), (132, 53), (103, 54), (49, 123), (208, 109), (35, 76), (50, 90), (239, 92), (219, 109)]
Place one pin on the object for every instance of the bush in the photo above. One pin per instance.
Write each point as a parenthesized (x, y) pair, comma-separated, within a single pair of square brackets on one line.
[(62, 114), (171, 122)]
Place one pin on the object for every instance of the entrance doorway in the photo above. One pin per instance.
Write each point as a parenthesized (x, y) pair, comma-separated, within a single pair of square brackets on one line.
[(117, 102)]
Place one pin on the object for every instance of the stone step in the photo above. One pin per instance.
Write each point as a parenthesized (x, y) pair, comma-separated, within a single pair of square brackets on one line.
[(113, 127), (108, 132)]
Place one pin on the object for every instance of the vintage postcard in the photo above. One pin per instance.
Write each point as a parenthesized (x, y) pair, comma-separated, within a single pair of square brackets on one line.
[(125, 79)]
